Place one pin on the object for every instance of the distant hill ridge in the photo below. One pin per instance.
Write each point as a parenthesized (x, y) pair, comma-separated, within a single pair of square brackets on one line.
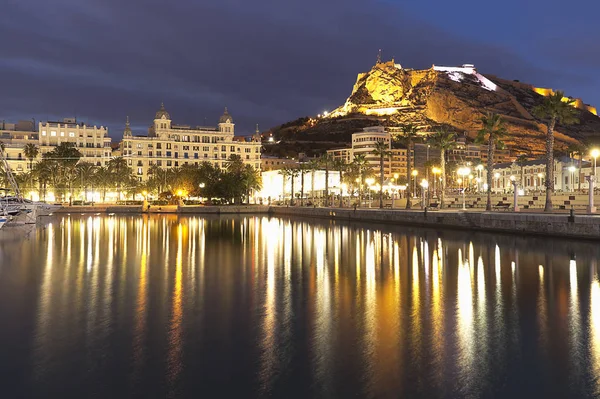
[(455, 97)]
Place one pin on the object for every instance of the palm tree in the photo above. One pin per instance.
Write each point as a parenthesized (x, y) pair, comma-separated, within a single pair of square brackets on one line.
[(409, 134), (360, 162), (292, 173), (577, 150), (521, 161), (340, 165), (303, 167), (86, 171), (326, 162), (31, 152), (120, 171), (554, 110), (444, 141), (313, 166), (285, 173), (382, 150), (492, 133), (104, 180)]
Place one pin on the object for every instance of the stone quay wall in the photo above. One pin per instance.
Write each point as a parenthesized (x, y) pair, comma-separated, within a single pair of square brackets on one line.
[(558, 225)]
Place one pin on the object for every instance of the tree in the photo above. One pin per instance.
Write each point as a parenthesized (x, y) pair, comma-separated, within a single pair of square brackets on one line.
[(326, 162), (285, 173), (361, 164), (577, 150), (103, 179), (41, 171), (63, 159), (86, 172), (382, 150), (31, 152), (341, 166), (492, 133), (120, 172), (521, 161), (553, 110), (409, 134), (313, 166), (303, 168), (444, 141)]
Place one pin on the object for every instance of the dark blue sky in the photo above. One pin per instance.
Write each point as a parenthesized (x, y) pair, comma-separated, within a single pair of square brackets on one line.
[(269, 61)]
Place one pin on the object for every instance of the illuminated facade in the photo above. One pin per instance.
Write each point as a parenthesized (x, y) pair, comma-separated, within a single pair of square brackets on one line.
[(93, 142), (363, 143), (168, 145)]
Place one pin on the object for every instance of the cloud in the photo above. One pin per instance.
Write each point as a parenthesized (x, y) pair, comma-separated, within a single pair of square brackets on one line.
[(268, 61)]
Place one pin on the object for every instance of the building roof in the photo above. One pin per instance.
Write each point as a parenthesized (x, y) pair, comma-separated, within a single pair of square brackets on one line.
[(162, 112), (226, 118)]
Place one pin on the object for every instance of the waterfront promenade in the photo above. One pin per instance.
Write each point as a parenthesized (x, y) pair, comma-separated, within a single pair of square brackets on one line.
[(530, 222)]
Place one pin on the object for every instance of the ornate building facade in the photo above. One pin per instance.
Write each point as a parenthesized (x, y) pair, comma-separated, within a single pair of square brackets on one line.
[(168, 145)]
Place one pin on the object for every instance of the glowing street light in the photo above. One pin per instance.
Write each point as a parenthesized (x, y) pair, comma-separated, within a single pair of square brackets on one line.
[(572, 169), (595, 154)]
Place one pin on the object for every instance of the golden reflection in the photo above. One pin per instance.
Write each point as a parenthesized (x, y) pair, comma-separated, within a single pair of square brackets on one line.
[(466, 337), (175, 331), (595, 331)]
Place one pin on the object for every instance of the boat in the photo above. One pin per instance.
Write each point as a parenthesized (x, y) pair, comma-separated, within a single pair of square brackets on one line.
[(14, 204)]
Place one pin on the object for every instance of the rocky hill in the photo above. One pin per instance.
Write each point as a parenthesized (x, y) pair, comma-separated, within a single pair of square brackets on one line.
[(456, 97)]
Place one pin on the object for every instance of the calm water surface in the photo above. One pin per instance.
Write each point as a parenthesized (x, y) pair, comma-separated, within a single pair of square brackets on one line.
[(167, 306)]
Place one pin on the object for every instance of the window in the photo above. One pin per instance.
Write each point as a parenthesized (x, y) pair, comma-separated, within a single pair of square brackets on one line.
[(43, 132), (186, 148), (216, 156), (213, 139), (158, 146), (150, 145), (247, 156), (224, 156), (176, 163), (169, 163), (62, 134), (215, 149), (186, 138), (168, 146), (205, 155), (139, 163), (139, 146), (149, 153), (223, 148), (205, 139), (176, 155), (196, 148), (185, 155), (159, 153), (247, 150), (232, 148), (53, 133), (139, 153), (129, 162), (205, 149), (168, 153), (158, 163), (195, 155)]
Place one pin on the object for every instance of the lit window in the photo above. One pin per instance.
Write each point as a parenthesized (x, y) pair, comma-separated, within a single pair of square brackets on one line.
[(62, 134), (43, 132), (53, 133), (71, 134)]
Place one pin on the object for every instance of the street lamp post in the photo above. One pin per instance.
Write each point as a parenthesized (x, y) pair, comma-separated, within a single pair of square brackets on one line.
[(464, 172), (515, 193), (424, 186), (591, 180), (414, 175)]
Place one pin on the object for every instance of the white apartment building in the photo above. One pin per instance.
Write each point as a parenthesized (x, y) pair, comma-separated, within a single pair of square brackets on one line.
[(532, 178), (93, 142), (363, 143), (168, 145)]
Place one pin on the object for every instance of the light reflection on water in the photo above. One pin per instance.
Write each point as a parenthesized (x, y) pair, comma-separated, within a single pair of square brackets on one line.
[(174, 306)]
